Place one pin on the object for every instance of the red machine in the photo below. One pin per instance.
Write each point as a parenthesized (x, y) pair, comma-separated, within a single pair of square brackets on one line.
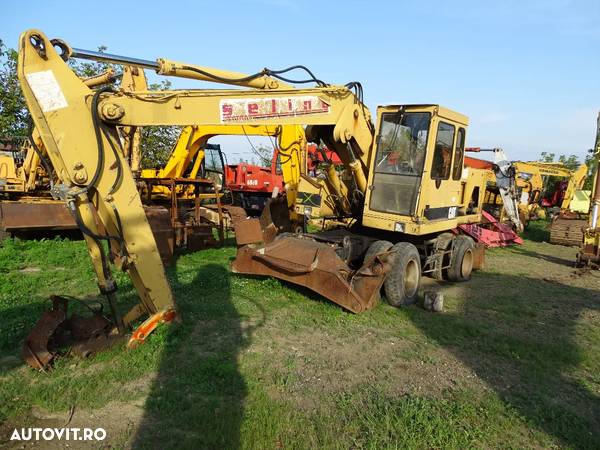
[(316, 156), (251, 185)]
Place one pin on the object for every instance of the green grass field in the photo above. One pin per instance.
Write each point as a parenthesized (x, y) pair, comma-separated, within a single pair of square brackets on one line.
[(512, 362)]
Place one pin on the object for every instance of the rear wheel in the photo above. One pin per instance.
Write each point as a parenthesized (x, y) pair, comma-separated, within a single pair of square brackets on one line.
[(461, 260), (402, 283)]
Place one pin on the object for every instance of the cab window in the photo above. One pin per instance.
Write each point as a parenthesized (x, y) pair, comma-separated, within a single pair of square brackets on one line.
[(442, 155), (402, 143), (459, 154)]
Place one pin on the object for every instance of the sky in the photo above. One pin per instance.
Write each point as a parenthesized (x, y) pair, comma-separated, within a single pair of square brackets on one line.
[(526, 73)]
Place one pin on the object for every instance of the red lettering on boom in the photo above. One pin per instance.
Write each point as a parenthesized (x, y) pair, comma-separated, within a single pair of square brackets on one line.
[(227, 110)]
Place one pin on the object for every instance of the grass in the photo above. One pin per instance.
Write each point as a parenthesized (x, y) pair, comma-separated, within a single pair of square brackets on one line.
[(512, 362)]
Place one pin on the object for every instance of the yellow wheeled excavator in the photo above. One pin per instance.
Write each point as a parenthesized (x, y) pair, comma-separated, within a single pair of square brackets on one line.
[(95, 182), (404, 189)]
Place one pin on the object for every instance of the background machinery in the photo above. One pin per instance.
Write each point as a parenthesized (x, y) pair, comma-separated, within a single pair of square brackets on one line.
[(26, 203), (554, 186), (251, 185), (589, 254)]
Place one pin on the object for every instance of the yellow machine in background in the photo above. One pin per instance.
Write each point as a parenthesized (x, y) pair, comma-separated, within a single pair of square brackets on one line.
[(567, 222), (28, 202), (26, 180), (590, 248), (188, 154), (531, 176)]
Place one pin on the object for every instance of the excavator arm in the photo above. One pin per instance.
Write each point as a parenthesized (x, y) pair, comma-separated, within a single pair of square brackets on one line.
[(95, 180)]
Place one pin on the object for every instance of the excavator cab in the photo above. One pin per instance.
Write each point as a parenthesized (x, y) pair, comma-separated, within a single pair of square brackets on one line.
[(418, 177), (213, 165)]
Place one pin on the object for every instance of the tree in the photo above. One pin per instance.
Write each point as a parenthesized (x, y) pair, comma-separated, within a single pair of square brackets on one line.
[(571, 162), (157, 142), (264, 153), (14, 116)]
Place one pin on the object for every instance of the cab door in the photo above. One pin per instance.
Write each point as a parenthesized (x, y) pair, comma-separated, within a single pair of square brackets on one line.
[(442, 186)]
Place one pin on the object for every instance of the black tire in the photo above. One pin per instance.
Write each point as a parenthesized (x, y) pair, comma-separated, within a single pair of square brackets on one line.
[(461, 260), (402, 283), (300, 226), (376, 248)]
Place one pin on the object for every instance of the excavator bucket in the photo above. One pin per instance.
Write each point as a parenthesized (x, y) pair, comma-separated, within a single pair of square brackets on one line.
[(55, 331), (274, 219), (315, 265)]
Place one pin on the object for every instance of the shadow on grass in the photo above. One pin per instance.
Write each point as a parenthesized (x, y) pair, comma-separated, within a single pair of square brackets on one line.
[(197, 397), (550, 258), (526, 348)]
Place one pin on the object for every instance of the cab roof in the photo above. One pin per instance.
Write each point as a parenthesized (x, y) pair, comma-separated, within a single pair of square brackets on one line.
[(436, 109)]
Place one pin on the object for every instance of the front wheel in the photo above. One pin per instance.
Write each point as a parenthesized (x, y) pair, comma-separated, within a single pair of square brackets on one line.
[(461, 260), (402, 283), (377, 248)]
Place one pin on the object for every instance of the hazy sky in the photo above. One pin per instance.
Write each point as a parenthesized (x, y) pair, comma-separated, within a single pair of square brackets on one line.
[(526, 72)]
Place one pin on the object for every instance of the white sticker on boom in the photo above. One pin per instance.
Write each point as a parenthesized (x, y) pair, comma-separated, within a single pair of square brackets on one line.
[(47, 90)]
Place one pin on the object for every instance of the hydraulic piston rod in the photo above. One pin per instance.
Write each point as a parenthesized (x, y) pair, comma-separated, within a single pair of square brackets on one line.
[(167, 67), (114, 59)]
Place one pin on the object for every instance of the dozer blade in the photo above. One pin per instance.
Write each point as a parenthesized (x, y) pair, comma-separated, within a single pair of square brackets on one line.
[(316, 266)]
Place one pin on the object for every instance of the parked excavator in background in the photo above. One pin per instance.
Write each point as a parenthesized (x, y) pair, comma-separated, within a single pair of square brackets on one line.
[(251, 185), (567, 203), (589, 254), (28, 203), (403, 191)]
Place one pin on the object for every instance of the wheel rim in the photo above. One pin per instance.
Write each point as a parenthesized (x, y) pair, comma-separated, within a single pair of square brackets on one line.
[(467, 263), (411, 278)]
